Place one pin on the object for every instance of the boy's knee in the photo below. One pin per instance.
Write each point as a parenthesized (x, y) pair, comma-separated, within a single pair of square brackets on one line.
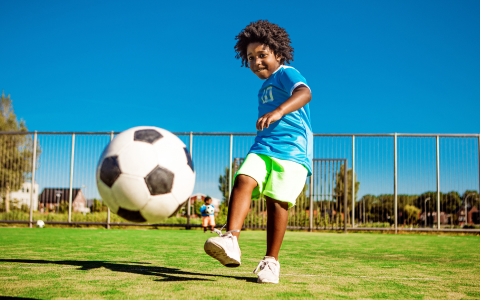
[(276, 203), (244, 181)]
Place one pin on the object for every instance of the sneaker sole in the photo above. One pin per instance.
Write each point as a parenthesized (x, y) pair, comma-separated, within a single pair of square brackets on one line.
[(271, 282), (219, 254)]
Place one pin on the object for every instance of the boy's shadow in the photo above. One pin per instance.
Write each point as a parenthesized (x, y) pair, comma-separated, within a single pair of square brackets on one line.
[(166, 274)]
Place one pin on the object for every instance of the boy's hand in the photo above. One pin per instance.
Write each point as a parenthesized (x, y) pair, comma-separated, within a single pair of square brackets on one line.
[(301, 95), (268, 119)]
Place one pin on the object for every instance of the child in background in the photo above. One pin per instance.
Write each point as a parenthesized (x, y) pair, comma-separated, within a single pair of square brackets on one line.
[(280, 160), (208, 217)]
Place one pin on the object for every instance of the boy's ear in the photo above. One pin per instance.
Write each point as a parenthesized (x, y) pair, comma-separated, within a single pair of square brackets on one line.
[(278, 57)]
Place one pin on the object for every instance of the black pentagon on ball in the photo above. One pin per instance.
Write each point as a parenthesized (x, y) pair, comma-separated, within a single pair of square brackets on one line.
[(131, 215), (110, 170), (147, 135), (189, 159), (159, 181)]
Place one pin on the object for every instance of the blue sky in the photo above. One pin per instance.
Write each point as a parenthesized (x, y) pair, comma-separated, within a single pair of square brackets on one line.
[(373, 66)]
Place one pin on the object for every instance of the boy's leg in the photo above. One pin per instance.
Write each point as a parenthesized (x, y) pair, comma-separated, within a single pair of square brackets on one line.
[(240, 202), (268, 270), (204, 223), (224, 248), (277, 219), (212, 223)]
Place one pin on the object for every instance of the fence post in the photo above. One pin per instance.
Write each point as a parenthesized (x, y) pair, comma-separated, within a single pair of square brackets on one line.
[(108, 208), (345, 193), (438, 183), (71, 180), (32, 188), (189, 204), (311, 202), (353, 181), (395, 206), (230, 166)]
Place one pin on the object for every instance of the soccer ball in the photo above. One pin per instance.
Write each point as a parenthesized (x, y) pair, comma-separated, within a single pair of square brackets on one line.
[(145, 174), (210, 210), (40, 224)]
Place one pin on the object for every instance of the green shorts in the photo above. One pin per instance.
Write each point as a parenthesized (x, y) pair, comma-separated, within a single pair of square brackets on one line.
[(282, 180)]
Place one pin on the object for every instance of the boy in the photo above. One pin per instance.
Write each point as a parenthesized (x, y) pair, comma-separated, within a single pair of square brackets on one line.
[(208, 218), (281, 157)]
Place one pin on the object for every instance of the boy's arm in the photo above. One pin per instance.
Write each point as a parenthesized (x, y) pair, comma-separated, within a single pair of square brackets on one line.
[(300, 97), (202, 209)]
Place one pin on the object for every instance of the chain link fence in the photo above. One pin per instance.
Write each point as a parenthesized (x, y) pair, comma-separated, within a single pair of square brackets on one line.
[(419, 182)]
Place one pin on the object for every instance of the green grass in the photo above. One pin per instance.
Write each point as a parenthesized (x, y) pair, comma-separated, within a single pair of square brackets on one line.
[(56, 263)]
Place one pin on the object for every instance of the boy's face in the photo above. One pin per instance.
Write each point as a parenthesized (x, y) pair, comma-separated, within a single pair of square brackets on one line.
[(262, 61), (208, 202)]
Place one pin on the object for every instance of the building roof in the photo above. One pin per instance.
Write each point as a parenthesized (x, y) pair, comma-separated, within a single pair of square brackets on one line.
[(49, 195)]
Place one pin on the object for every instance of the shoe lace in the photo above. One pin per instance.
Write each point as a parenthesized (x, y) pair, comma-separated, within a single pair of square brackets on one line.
[(264, 264), (219, 232)]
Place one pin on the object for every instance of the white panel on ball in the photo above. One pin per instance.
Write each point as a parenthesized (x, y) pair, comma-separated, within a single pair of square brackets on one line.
[(170, 157), (118, 143), (130, 192), (137, 159), (107, 196), (159, 208), (173, 139), (182, 189)]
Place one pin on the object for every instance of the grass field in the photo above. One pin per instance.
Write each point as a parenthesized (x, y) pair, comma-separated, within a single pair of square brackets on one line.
[(55, 263)]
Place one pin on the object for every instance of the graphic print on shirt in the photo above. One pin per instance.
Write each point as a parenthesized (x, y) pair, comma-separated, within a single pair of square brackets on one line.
[(267, 95)]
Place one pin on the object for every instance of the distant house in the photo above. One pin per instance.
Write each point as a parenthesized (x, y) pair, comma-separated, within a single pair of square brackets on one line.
[(472, 213), (22, 196), (432, 217), (50, 198)]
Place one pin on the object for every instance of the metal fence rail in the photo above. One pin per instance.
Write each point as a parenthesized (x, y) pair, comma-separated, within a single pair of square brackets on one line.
[(360, 181)]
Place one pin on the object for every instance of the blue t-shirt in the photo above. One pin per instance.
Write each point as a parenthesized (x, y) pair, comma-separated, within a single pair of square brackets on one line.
[(203, 210), (290, 138)]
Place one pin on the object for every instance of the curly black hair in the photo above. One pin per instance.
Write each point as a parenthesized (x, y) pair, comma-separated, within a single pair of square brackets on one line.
[(272, 35)]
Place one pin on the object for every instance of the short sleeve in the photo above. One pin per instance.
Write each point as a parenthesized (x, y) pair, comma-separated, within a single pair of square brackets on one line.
[(291, 78), (203, 208)]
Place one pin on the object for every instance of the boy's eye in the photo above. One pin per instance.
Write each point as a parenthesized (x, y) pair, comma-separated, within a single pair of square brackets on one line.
[(262, 55), (250, 58)]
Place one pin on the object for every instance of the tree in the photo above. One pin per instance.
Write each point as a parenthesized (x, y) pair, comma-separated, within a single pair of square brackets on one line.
[(450, 202), (98, 206), (472, 200), (15, 151), (340, 188), (223, 185), (411, 213), (223, 180)]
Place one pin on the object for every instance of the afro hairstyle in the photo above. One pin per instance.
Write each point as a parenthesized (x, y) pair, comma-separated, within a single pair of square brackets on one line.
[(264, 32)]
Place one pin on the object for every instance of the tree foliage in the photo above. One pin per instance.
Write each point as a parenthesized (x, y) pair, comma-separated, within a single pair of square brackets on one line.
[(411, 214), (340, 186), (223, 185), (98, 206), (15, 151)]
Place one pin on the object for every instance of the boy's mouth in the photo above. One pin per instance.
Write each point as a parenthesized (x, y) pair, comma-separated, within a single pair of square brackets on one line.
[(259, 70)]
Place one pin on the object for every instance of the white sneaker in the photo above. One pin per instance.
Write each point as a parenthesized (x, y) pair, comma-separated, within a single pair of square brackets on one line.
[(224, 248), (268, 270)]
